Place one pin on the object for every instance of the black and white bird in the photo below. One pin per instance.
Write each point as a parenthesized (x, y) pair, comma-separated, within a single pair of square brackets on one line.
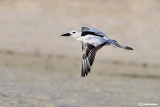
[(92, 40)]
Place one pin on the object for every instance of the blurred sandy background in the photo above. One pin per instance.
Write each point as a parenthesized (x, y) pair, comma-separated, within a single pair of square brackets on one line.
[(39, 68)]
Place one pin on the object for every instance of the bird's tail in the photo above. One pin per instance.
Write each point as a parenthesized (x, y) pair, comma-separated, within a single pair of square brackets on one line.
[(115, 44)]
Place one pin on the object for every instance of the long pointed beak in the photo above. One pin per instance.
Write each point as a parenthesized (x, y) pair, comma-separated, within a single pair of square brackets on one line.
[(66, 34)]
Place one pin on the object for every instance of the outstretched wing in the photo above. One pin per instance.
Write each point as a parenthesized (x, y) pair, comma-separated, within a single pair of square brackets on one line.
[(88, 56), (93, 30), (114, 43)]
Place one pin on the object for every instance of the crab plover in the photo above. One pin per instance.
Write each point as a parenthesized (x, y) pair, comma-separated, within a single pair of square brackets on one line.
[(92, 40)]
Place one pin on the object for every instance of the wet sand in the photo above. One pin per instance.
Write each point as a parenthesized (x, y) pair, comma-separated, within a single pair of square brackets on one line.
[(54, 81)]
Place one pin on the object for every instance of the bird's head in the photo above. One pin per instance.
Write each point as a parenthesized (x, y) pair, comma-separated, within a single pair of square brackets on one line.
[(73, 33)]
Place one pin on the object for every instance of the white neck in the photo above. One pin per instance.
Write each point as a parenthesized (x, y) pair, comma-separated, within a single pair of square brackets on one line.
[(77, 36)]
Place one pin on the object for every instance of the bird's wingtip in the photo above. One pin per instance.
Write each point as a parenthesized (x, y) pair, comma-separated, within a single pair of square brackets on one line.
[(85, 28), (128, 48)]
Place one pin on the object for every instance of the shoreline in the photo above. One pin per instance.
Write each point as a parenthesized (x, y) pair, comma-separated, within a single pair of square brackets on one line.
[(53, 63)]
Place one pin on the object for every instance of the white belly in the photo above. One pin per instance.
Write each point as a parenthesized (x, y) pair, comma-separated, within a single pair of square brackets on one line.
[(94, 40)]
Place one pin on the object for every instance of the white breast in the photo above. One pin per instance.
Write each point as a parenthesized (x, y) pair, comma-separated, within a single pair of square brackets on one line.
[(94, 40)]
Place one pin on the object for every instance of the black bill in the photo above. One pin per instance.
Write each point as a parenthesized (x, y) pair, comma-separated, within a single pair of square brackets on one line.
[(66, 34)]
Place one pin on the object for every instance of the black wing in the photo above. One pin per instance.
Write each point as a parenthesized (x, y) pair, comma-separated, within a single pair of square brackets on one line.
[(87, 30), (88, 56)]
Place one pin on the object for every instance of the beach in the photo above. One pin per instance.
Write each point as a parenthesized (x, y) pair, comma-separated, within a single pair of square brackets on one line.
[(39, 68)]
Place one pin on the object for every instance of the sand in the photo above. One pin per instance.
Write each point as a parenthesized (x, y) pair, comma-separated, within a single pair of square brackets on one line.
[(39, 68), (50, 81)]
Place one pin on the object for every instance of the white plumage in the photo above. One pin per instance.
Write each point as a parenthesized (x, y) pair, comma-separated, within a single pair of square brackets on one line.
[(92, 40)]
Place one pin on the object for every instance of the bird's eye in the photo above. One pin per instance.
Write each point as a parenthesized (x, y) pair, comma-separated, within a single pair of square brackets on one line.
[(73, 32)]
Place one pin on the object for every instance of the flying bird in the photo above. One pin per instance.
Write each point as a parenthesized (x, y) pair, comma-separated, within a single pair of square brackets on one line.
[(92, 40)]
